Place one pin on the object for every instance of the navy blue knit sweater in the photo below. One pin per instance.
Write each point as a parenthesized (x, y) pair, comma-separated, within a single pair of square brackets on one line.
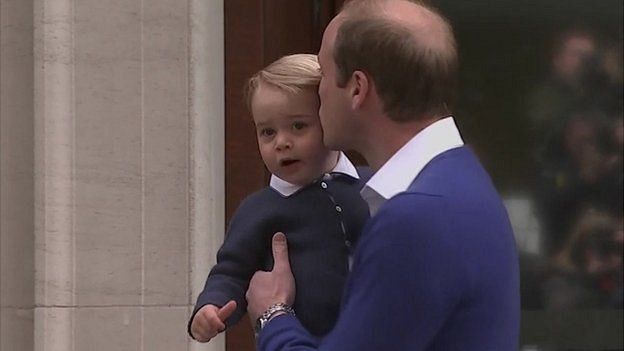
[(322, 222)]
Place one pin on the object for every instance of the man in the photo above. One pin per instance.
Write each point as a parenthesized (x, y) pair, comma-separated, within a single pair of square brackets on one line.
[(435, 267)]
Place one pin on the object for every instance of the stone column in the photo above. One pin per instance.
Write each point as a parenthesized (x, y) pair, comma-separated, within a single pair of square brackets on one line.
[(53, 174), (207, 108), (16, 180), (128, 170)]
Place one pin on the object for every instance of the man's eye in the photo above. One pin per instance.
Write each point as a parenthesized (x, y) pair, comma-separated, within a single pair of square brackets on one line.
[(299, 125)]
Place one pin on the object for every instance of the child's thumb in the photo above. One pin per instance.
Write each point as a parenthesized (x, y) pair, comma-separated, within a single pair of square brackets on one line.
[(226, 311)]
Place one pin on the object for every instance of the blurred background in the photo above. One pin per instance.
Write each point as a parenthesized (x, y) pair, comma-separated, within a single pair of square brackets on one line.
[(541, 103), (125, 148)]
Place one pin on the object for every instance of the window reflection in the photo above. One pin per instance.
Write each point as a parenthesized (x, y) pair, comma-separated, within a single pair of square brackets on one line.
[(576, 119), (540, 101)]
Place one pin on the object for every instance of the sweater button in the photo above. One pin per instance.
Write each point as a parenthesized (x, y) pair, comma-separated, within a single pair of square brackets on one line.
[(348, 243), (323, 185), (338, 209)]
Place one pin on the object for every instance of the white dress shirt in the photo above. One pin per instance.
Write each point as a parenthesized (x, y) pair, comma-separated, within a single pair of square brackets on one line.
[(396, 175)]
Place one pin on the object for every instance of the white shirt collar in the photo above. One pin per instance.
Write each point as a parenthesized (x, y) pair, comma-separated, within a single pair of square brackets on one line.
[(403, 167), (286, 189)]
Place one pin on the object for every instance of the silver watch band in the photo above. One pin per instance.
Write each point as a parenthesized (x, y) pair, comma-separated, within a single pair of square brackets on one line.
[(270, 312)]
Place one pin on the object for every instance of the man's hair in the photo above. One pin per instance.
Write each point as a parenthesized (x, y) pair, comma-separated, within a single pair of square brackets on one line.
[(414, 75), (292, 74)]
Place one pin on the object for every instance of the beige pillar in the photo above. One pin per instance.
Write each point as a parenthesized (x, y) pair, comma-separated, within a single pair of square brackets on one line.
[(118, 171), (54, 168), (207, 108), (16, 180)]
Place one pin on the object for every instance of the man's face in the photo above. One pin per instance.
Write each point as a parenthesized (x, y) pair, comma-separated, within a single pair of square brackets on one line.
[(334, 111), (289, 134)]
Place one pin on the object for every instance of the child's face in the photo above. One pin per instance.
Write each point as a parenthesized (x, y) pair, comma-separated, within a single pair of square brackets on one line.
[(289, 134)]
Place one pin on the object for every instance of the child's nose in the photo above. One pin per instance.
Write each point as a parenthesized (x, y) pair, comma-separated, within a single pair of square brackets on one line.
[(283, 142)]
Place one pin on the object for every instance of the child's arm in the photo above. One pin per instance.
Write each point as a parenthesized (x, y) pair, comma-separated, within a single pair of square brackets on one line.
[(238, 258), (210, 321)]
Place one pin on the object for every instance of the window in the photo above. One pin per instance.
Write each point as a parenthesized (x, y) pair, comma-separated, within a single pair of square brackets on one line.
[(540, 101)]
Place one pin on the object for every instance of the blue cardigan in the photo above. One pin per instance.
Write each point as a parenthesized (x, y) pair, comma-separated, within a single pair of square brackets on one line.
[(435, 269), (321, 222)]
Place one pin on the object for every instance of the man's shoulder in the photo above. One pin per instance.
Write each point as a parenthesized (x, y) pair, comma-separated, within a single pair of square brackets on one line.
[(413, 204), (452, 173), (409, 210), (450, 160)]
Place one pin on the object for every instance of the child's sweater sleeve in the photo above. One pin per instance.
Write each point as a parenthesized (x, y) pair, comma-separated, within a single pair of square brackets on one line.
[(240, 256)]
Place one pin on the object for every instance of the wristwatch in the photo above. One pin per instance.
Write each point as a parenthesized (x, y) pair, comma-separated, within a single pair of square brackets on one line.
[(270, 312)]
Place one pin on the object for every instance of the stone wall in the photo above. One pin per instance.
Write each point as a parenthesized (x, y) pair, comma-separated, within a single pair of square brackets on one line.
[(112, 171)]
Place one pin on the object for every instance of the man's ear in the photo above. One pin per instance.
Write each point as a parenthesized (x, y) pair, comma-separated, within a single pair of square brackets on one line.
[(359, 89)]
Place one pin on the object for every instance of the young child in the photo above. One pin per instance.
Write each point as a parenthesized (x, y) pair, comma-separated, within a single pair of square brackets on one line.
[(313, 198)]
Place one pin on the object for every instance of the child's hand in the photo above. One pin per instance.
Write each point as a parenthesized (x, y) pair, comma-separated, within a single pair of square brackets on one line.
[(210, 321)]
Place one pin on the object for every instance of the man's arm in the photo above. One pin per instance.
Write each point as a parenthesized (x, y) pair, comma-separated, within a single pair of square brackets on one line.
[(405, 282)]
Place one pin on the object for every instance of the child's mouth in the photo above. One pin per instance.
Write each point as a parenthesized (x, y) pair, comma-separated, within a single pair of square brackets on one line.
[(289, 162)]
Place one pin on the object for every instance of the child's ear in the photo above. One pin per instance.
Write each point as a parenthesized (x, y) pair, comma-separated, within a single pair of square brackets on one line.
[(359, 89)]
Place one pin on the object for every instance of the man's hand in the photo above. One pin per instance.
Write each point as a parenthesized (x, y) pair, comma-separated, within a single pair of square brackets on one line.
[(268, 288), (210, 321)]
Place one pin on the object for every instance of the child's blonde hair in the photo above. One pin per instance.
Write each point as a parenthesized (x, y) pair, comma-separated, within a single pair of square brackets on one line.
[(292, 73)]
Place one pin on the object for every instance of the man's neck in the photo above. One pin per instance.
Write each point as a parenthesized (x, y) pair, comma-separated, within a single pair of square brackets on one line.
[(388, 138)]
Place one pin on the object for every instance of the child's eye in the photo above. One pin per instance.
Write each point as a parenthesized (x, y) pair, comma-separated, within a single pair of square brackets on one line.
[(299, 125), (267, 132)]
